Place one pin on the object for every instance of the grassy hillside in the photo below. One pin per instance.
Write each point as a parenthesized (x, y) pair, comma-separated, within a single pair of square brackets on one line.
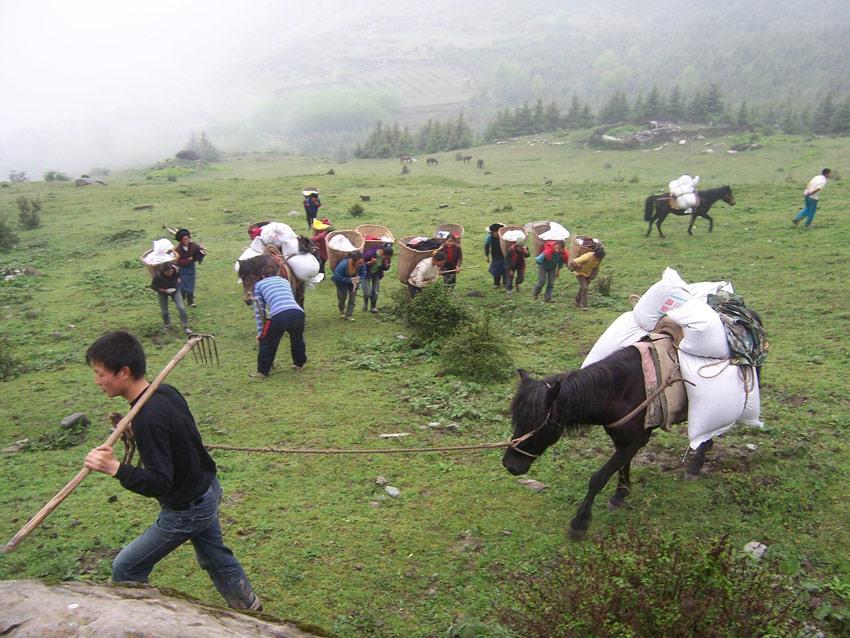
[(318, 538)]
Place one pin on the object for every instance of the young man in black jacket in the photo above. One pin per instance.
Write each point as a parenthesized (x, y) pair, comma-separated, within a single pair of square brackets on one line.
[(177, 471)]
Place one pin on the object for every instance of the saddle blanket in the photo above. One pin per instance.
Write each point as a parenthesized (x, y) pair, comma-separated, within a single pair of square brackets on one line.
[(660, 362)]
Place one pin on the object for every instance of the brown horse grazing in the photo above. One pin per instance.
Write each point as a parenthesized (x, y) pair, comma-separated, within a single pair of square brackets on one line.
[(269, 263), (600, 394), (432, 161), (657, 207), (480, 163)]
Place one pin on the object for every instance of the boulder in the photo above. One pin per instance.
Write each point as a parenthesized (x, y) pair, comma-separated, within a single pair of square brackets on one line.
[(34, 609)]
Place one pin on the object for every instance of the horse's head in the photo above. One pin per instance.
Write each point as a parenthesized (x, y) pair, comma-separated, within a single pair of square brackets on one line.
[(728, 197), (253, 269), (531, 413)]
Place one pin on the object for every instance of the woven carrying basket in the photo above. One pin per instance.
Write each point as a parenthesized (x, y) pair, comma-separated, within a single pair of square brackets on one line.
[(334, 256), (582, 244), (408, 258), (153, 268), (534, 230), (375, 231), (452, 228), (507, 244)]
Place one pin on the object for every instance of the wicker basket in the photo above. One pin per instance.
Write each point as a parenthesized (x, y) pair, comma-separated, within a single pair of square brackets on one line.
[(507, 244), (534, 230), (153, 268), (451, 228), (376, 231), (583, 244), (334, 256), (408, 258)]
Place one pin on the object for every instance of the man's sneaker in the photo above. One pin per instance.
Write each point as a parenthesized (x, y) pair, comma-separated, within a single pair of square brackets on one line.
[(188, 330), (342, 315), (349, 318), (256, 605), (258, 375), (795, 221), (374, 310), (296, 367)]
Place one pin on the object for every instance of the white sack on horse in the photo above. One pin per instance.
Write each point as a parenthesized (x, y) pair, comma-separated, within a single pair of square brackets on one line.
[(704, 334), (703, 289), (718, 397), (247, 254), (622, 333), (556, 232), (276, 233), (304, 266), (341, 243), (688, 200), (684, 185), (671, 292)]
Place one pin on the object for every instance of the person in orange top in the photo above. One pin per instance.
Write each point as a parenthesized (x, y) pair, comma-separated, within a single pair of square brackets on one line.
[(585, 267)]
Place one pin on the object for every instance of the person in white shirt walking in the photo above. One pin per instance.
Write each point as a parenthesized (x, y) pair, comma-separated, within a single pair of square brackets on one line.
[(811, 197)]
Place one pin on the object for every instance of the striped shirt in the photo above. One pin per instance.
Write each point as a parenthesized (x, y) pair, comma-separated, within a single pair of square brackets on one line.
[(272, 295)]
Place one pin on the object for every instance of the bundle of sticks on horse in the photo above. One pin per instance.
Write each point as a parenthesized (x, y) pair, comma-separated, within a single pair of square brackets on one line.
[(682, 198), (685, 352)]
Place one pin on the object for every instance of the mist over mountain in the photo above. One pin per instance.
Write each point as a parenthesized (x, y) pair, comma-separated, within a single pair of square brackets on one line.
[(131, 83)]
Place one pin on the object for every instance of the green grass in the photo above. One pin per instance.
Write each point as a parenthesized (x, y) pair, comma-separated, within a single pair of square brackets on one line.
[(306, 528)]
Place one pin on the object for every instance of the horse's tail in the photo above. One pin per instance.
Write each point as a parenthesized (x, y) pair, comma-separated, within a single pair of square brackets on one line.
[(649, 208)]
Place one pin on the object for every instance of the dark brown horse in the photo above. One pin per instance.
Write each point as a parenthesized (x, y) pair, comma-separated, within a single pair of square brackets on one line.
[(657, 207), (269, 263), (600, 394)]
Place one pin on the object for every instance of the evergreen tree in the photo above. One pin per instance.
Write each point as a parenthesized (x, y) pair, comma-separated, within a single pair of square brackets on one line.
[(585, 117), (571, 120), (697, 109), (653, 109), (639, 109), (538, 117), (841, 118), (824, 114), (742, 120), (523, 120), (552, 117), (675, 107), (424, 135), (713, 102)]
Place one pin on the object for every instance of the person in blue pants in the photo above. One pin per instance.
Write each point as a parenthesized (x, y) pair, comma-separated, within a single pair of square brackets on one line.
[(811, 195)]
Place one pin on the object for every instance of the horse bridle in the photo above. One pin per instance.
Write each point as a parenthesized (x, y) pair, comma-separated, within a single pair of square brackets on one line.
[(514, 443)]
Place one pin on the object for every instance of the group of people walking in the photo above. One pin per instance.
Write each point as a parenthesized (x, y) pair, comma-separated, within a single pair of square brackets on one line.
[(175, 281)]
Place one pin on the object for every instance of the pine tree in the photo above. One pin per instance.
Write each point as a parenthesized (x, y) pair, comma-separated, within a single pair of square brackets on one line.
[(675, 107), (841, 118), (571, 120), (824, 114), (653, 110), (552, 117), (713, 102), (585, 118), (538, 119), (742, 120)]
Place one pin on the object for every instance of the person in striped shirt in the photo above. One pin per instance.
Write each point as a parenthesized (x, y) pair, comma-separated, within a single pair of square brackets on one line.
[(277, 312)]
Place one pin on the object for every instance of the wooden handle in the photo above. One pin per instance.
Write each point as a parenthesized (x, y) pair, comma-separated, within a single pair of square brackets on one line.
[(60, 496)]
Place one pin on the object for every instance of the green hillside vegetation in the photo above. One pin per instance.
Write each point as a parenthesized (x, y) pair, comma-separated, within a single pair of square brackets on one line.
[(322, 543)]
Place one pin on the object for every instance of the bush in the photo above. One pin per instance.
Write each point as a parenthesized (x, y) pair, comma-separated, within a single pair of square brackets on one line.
[(475, 351), (654, 584), (17, 177), (603, 285), (28, 212), (8, 238), (55, 176), (9, 365), (432, 315), (356, 210)]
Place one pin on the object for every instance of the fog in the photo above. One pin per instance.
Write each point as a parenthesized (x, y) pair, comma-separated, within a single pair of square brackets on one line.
[(110, 84)]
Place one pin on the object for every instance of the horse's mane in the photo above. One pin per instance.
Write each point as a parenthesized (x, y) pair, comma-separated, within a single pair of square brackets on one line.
[(714, 192)]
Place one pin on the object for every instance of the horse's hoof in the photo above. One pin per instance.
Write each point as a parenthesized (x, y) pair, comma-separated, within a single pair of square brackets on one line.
[(614, 505), (577, 534), (691, 477)]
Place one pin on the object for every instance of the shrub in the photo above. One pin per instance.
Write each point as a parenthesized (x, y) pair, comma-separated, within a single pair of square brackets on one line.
[(9, 365), (432, 315), (603, 285), (8, 238), (475, 351), (28, 212), (356, 210), (16, 177), (55, 176), (652, 583)]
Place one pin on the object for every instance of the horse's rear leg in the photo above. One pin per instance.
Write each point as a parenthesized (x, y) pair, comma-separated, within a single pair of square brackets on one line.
[(624, 488), (691, 225), (710, 222), (622, 457), (698, 460)]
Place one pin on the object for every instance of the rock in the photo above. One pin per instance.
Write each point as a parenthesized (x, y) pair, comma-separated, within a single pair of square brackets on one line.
[(112, 499), (534, 486), (402, 337), (29, 271), (751, 446), (32, 608), (73, 419), (143, 207), (17, 446), (394, 435), (88, 181), (365, 198), (381, 481), (443, 206), (392, 491), (435, 424), (293, 213), (374, 504), (755, 549)]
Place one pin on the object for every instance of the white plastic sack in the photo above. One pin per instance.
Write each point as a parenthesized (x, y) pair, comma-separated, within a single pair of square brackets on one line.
[(703, 289), (684, 185), (716, 400), (247, 254), (276, 232), (258, 245), (705, 335), (688, 200), (622, 333), (162, 252), (289, 246), (513, 235), (671, 292), (341, 243), (556, 232), (304, 266), (752, 407)]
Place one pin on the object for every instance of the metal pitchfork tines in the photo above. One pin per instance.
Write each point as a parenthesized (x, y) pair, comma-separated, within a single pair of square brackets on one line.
[(204, 350)]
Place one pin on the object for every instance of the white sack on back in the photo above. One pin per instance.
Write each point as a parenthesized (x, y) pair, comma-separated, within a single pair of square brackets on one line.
[(304, 266), (622, 333), (289, 246), (556, 232), (703, 289), (705, 335), (513, 235), (671, 292), (341, 243), (249, 252), (162, 252), (276, 232), (258, 245), (716, 398)]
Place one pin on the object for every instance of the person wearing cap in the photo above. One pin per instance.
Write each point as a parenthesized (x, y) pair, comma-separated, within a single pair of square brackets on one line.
[(493, 254), (312, 204), (377, 260), (454, 258), (320, 239), (426, 272), (188, 254)]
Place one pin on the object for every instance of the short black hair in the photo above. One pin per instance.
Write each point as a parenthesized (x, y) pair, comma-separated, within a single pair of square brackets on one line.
[(440, 256), (825, 172), (117, 349)]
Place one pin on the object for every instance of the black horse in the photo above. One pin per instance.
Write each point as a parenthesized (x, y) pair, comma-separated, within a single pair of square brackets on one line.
[(657, 207), (270, 263), (600, 394)]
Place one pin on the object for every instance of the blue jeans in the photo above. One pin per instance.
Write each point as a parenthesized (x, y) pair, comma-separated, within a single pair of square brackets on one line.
[(199, 524), (291, 321), (545, 278), (346, 297), (808, 211), (371, 289), (181, 309)]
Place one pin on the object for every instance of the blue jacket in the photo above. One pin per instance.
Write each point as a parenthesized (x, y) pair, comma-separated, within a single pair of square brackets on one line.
[(340, 276)]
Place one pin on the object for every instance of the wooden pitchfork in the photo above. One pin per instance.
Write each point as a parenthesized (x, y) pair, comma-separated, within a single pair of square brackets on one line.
[(204, 349)]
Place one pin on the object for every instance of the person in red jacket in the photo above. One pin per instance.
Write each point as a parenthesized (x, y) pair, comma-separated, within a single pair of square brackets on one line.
[(322, 227)]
